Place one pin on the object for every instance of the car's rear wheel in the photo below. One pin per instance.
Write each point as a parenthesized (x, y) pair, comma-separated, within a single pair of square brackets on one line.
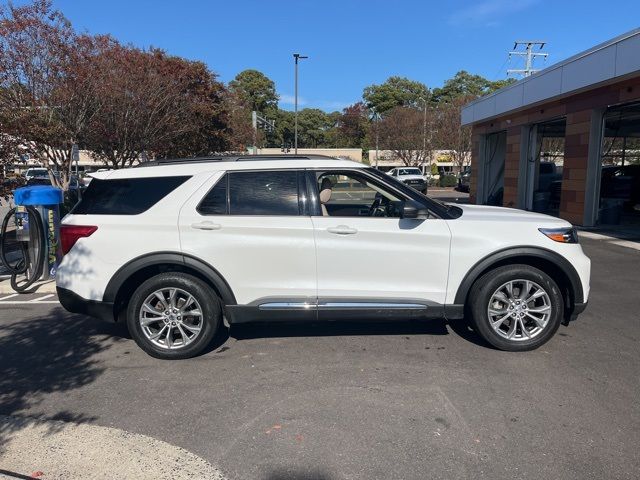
[(516, 307), (173, 316)]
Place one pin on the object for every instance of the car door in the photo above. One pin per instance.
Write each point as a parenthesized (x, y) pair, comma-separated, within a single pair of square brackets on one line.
[(368, 253), (252, 227)]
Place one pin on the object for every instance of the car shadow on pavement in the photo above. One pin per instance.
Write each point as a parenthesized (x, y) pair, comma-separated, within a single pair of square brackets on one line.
[(462, 328), (46, 355), (328, 329), (293, 475)]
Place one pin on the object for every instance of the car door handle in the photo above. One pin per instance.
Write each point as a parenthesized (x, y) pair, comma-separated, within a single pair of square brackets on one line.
[(206, 226), (342, 230)]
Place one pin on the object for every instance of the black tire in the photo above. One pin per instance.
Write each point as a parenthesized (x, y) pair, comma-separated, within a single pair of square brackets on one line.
[(201, 292), (484, 288)]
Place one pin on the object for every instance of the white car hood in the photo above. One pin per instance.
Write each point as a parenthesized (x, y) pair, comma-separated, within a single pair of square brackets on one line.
[(488, 213)]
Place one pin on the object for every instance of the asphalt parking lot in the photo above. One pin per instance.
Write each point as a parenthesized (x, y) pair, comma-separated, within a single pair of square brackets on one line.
[(354, 401)]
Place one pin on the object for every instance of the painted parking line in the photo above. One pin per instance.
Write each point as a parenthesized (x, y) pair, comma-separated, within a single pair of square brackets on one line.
[(42, 298), (29, 302), (48, 299)]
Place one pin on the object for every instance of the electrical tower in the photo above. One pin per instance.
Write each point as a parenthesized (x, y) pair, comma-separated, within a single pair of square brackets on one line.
[(529, 56)]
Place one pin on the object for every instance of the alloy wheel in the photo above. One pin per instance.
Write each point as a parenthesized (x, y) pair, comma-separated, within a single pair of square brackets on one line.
[(171, 318), (519, 310)]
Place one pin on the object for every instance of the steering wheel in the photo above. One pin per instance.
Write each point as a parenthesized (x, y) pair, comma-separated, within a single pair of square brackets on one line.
[(376, 209)]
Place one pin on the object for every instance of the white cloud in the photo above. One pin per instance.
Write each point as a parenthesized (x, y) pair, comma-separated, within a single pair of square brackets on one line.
[(487, 13), (286, 99), (326, 105)]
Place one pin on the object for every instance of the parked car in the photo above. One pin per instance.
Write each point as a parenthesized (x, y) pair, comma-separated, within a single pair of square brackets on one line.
[(36, 173), (261, 238), (464, 180), (410, 176)]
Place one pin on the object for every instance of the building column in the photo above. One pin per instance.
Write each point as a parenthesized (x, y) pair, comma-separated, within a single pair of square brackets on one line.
[(476, 141), (512, 167), (594, 168), (574, 171)]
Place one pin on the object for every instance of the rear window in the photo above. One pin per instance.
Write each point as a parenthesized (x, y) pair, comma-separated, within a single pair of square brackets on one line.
[(126, 196)]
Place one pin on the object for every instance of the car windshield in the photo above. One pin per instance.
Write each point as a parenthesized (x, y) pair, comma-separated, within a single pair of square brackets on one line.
[(410, 171), (38, 172)]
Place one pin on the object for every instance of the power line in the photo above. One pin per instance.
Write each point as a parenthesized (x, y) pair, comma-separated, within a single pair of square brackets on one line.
[(529, 56)]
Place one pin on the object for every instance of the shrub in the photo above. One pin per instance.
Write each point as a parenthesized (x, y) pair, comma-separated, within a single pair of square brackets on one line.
[(448, 180)]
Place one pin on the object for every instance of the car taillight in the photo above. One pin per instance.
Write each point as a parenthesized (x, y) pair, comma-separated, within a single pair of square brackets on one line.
[(70, 234)]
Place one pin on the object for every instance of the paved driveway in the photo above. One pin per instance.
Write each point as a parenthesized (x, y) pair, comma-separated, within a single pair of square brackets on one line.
[(405, 401)]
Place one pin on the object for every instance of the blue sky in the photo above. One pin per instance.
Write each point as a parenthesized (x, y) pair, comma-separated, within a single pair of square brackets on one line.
[(354, 43)]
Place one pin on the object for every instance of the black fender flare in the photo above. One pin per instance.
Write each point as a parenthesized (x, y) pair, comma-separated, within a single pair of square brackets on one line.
[(519, 252), (169, 258)]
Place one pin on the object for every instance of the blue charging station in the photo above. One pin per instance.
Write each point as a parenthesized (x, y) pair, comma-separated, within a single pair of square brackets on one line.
[(46, 201)]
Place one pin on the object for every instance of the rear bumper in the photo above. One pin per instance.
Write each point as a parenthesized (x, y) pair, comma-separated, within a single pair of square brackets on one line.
[(74, 303)]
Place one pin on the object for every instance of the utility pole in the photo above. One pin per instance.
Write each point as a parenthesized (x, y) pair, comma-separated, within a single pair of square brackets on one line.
[(424, 132), (258, 121), (376, 118), (297, 57), (529, 56)]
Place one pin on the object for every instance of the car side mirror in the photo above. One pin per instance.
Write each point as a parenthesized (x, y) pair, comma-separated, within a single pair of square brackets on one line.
[(415, 210)]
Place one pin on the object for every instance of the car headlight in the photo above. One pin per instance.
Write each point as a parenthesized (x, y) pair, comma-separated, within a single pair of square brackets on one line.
[(562, 235)]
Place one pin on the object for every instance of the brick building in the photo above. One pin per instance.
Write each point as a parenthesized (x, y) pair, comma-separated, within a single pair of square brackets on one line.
[(566, 140)]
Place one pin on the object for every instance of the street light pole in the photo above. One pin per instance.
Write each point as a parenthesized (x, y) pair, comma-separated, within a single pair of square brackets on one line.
[(424, 132), (297, 57), (377, 118)]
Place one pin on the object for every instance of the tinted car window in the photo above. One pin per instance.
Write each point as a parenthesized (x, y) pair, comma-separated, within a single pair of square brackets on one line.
[(263, 193), (127, 196), (215, 202)]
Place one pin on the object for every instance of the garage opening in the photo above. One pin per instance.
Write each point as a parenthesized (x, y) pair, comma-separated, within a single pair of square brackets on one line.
[(544, 169), (491, 169), (619, 202)]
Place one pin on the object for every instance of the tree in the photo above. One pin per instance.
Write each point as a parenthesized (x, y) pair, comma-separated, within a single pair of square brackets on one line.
[(155, 103), (9, 150), (46, 95), (313, 126), (284, 131), (353, 126), (464, 84), (395, 92), (451, 134), (401, 131), (257, 91), (240, 130)]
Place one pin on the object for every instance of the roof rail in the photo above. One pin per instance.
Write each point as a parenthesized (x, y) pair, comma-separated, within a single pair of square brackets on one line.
[(230, 158)]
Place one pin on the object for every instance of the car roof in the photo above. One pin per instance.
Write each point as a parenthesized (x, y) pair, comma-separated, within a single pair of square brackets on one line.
[(192, 166)]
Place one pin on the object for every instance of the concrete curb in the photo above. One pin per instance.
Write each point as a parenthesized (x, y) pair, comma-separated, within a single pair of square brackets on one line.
[(51, 449), (632, 244)]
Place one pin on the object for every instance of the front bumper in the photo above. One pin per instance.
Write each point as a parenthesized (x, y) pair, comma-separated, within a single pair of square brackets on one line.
[(578, 308), (74, 303), (421, 186)]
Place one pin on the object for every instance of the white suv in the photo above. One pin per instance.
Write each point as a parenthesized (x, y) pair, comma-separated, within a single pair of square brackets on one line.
[(174, 246)]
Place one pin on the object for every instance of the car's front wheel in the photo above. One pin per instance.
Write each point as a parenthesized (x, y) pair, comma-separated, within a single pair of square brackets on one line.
[(516, 307), (173, 316)]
